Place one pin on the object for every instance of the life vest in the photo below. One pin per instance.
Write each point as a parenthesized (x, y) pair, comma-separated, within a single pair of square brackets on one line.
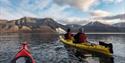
[(82, 38), (68, 36)]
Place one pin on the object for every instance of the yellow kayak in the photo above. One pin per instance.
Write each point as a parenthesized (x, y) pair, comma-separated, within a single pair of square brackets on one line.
[(87, 46)]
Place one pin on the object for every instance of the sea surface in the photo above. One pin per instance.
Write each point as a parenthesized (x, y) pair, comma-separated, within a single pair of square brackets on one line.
[(46, 48)]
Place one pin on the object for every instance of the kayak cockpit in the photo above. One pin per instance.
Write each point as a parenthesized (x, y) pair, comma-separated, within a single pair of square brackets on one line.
[(101, 48), (22, 59), (25, 54)]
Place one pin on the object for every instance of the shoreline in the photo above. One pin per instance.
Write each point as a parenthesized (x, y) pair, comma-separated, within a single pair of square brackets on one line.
[(105, 33), (63, 33)]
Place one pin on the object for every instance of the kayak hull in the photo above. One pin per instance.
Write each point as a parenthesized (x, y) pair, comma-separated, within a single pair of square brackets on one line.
[(94, 49)]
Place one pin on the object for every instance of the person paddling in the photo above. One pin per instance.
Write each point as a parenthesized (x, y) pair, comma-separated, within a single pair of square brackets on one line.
[(80, 37), (68, 35)]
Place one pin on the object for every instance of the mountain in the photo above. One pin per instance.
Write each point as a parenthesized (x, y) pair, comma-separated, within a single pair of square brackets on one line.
[(6, 26), (73, 27), (48, 25), (29, 24), (99, 27), (3, 21), (120, 25), (37, 23)]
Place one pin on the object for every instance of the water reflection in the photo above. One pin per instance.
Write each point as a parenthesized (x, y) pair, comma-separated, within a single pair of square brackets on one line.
[(46, 48), (38, 37), (85, 56), (112, 38)]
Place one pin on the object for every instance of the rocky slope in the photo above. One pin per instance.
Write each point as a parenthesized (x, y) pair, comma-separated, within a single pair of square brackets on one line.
[(48, 25), (120, 26), (28, 24), (99, 27), (74, 27)]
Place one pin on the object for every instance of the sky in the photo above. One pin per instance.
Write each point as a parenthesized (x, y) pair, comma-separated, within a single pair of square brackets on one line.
[(65, 11)]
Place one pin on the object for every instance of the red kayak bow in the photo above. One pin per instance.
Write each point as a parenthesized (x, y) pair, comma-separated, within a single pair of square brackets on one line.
[(24, 53)]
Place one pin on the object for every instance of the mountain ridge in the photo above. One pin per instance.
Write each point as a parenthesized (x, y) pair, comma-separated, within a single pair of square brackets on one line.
[(29, 24), (99, 27)]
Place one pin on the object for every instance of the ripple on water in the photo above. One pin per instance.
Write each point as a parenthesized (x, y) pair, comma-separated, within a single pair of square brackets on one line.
[(54, 52)]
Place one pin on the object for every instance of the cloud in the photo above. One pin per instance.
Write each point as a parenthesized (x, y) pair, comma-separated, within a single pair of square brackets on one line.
[(55, 12), (33, 5), (99, 13), (112, 1), (37, 8), (111, 19), (120, 16), (118, 1), (33, 8), (8, 13), (72, 11), (5, 1), (75, 20), (80, 4)]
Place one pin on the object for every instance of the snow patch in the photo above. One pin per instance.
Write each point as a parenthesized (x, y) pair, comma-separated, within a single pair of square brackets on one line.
[(60, 30)]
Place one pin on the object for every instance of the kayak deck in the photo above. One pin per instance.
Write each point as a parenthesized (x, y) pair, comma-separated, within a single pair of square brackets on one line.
[(24, 53), (88, 47)]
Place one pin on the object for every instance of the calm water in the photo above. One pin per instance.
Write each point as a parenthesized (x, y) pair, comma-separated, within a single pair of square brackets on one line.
[(46, 48)]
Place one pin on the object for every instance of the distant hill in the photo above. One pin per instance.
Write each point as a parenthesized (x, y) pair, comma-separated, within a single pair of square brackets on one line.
[(120, 26), (74, 27), (37, 23), (3, 21), (28, 24), (99, 27), (48, 25)]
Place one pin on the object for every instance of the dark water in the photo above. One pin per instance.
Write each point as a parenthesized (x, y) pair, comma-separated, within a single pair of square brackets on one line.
[(46, 48)]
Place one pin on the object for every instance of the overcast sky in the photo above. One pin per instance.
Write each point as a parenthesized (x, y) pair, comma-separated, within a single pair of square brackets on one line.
[(69, 11)]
